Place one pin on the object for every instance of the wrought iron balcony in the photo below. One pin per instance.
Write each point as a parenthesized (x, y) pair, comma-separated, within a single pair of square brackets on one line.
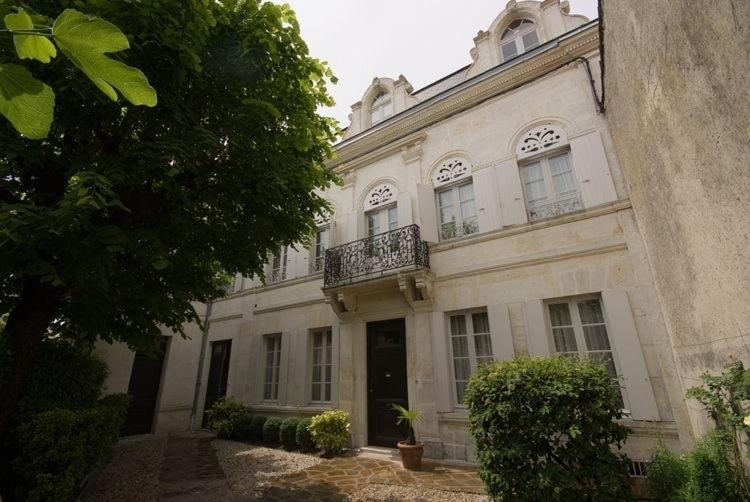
[(375, 256), (561, 205)]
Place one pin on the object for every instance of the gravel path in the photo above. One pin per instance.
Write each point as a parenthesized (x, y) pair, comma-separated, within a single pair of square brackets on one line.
[(393, 493), (250, 467), (134, 462)]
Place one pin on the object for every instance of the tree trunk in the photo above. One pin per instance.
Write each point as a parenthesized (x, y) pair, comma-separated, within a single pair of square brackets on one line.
[(25, 330)]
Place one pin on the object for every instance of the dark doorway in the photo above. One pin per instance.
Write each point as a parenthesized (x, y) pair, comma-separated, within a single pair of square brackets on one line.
[(143, 388), (386, 381), (218, 373)]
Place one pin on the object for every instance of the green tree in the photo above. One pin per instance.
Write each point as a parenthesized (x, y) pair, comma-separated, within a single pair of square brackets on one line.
[(124, 215)]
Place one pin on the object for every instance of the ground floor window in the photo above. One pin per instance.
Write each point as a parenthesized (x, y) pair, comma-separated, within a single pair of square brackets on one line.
[(322, 364), (471, 346), (579, 330), (273, 364)]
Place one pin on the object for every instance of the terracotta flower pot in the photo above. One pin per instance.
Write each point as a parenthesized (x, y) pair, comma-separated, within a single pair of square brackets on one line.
[(411, 455)]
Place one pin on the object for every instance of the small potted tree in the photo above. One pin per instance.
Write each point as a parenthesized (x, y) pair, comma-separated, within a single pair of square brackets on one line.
[(411, 450)]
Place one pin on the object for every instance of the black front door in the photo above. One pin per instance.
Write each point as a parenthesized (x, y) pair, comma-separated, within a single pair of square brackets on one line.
[(144, 390), (218, 372), (386, 381)]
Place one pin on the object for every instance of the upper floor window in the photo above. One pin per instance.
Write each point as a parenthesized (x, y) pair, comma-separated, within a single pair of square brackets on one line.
[(381, 109), (382, 220), (273, 364), (471, 346), (278, 264), (579, 330), (550, 187), (458, 214), (321, 242), (519, 37)]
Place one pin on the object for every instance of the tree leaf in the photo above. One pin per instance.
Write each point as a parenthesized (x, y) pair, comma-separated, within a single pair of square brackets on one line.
[(29, 46), (85, 40), (25, 101)]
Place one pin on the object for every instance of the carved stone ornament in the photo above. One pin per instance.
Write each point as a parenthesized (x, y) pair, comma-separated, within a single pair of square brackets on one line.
[(451, 170), (380, 196), (540, 139)]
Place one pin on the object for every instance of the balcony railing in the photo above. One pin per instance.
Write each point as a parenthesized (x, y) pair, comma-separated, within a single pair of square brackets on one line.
[(561, 205), (375, 256)]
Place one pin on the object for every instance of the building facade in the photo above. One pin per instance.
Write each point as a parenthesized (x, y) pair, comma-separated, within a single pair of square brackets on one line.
[(482, 217)]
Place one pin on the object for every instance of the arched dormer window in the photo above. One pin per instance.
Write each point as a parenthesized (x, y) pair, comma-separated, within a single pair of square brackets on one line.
[(382, 108), (519, 37)]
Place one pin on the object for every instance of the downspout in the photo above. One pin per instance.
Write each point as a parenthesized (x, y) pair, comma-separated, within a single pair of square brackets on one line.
[(198, 378), (600, 7), (597, 100)]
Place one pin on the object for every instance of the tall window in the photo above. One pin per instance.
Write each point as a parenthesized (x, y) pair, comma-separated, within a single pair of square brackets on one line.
[(278, 265), (458, 214), (579, 330), (550, 187), (322, 364), (382, 220), (471, 346), (273, 364), (381, 109), (321, 241), (519, 37)]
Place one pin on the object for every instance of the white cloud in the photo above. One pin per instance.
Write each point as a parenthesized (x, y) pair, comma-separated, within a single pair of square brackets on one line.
[(423, 40)]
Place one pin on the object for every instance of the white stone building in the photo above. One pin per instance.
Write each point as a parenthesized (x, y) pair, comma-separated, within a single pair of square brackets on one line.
[(481, 217)]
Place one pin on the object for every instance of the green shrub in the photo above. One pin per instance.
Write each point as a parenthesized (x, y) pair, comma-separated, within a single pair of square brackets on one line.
[(330, 431), (667, 475), (57, 448), (243, 426), (225, 415), (271, 430), (256, 428), (288, 433), (304, 439), (545, 429)]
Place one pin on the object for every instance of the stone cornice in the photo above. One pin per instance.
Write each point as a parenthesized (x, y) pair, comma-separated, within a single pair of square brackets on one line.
[(498, 80)]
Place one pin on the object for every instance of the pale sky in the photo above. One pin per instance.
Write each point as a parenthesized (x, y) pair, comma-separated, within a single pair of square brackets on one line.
[(422, 39)]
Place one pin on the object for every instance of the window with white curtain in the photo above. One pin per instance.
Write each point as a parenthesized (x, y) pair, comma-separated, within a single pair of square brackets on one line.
[(457, 211), (580, 330), (379, 221), (550, 187), (519, 37), (278, 264), (471, 346), (381, 109), (273, 365), (322, 364), (321, 242)]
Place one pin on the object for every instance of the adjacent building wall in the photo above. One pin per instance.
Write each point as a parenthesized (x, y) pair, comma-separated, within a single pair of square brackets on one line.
[(677, 80)]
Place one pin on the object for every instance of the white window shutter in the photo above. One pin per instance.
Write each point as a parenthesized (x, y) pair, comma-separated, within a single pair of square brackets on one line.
[(486, 199), (443, 370), (501, 334), (536, 329), (301, 261), (512, 205), (292, 256), (627, 345), (335, 337), (592, 169), (286, 338), (403, 206), (353, 225), (427, 220)]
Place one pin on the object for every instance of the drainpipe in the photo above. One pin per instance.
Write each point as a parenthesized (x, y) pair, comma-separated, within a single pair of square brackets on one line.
[(597, 100), (198, 378)]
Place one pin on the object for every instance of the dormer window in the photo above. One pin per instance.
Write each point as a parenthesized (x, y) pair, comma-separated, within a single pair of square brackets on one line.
[(519, 37), (381, 109)]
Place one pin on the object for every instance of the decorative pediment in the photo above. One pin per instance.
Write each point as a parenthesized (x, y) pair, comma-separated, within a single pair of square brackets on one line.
[(540, 139), (451, 170), (380, 196), (322, 219)]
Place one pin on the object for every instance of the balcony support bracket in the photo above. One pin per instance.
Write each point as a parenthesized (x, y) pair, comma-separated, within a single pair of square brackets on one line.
[(417, 289)]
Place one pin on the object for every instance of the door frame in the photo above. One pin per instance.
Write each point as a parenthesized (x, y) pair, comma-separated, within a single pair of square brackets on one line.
[(209, 355), (367, 405)]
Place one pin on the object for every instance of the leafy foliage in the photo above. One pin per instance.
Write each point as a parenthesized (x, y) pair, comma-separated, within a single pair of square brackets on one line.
[(668, 474), (545, 429), (288, 433), (408, 418), (330, 431), (227, 416), (304, 438), (59, 447), (256, 428), (271, 430)]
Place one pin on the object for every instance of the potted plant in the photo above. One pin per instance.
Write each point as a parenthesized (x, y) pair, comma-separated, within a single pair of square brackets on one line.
[(411, 450)]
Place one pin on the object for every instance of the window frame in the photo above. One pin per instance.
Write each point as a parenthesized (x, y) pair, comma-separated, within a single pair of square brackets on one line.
[(580, 338), (517, 39), (324, 363), (454, 188), (543, 159), (387, 101), (470, 335), (275, 382), (323, 244), (283, 255)]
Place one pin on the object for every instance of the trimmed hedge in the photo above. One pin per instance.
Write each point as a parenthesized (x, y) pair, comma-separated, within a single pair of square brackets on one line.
[(330, 430), (256, 428), (288, 433), (58, 448), (227, 417), (271, 430), (303, 437)]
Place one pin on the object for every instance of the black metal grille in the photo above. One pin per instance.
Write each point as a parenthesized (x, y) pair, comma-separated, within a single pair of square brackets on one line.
[(376, 255)]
